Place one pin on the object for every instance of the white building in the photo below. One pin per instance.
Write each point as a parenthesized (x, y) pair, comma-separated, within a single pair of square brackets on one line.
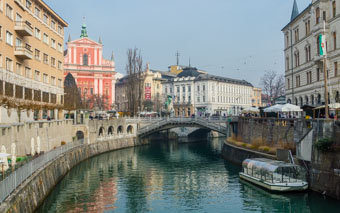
[(204, 94), (304, 67)]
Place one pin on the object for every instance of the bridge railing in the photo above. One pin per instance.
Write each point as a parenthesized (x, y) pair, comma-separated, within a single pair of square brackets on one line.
[(16, 178)]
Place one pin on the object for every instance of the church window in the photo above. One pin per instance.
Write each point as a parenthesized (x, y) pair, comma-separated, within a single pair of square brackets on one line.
[(85, 60)]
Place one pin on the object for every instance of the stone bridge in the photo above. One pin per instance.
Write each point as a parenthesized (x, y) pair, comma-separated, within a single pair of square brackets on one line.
[(169, 123)]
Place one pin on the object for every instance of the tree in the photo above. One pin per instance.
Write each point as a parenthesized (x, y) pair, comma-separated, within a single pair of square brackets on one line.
[(98, 102), (72, 99), (273, 85), (134, 70)]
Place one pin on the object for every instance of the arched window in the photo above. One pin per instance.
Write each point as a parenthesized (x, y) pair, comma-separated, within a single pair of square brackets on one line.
[(317, 16), (85, 60), (319, 99)]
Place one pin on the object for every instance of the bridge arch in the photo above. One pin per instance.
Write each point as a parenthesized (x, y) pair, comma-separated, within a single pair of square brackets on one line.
[(110, 130), (120, 130), (101, 131), (129, 129)]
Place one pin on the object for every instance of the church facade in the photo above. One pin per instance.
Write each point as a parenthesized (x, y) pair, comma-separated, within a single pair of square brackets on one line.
[(94, 75)]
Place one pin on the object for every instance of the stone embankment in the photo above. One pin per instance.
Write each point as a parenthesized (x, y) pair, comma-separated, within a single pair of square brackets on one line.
[(30, 195)]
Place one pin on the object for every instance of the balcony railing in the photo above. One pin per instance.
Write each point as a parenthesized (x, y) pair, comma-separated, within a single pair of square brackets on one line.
[(23, 52), (23, 28)]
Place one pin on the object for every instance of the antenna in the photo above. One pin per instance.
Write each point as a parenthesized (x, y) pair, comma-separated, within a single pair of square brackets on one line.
[(189, 62), (177, 55)]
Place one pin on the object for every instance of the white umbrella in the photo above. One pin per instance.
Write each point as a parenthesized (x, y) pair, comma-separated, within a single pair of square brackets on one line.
[(272, 108), (38, 145), (287, 108), (3, 157), (32, 147), (250, 110), (14, 158)]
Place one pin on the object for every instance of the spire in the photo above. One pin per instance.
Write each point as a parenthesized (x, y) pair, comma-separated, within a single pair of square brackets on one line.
[(69, 38), (147, 67), (83, 30), (112, 57), (189, 62), (100, 40), (295, 11)]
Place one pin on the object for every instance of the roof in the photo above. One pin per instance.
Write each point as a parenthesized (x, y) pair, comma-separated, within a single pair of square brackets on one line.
[(222, 79), (266, 164), (295, 11), (297, 16), (65, 24), (189, 72)]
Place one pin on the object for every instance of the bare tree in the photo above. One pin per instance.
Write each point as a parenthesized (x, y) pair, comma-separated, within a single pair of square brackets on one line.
[(72, 99), (134, 70), (98, 102), (273, 85)]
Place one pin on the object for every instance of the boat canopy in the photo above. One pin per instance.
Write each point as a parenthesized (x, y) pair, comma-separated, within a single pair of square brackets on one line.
[(273, 170)]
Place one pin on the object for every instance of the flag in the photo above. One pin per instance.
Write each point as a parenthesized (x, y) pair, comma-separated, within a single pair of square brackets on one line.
[(322, 45)]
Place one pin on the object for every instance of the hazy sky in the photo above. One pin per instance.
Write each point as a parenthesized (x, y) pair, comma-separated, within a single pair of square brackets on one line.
[(233, 38)]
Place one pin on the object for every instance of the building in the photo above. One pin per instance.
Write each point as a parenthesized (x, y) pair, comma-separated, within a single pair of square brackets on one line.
[(256, 99), (151, 91), (304, 77), (94, 75), (202, 94), (31, 61)]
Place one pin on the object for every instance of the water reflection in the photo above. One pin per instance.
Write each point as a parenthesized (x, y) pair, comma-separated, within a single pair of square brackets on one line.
[(167, 177)]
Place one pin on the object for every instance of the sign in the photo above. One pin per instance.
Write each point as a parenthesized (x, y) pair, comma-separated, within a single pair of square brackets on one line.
[(322, 43), (148, 93)]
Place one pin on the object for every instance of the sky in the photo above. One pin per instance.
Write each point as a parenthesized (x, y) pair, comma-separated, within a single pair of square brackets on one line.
[(239, 39)]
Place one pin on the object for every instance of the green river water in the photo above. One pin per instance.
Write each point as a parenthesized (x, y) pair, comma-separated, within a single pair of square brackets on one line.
[(171, 177)]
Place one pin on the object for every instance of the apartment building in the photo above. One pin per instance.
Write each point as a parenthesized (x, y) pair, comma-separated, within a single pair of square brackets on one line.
[(304, 75), (31, 61)]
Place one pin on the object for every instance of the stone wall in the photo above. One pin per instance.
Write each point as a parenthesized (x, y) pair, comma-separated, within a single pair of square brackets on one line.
[(267, 130), (30, 195), (51, 134)]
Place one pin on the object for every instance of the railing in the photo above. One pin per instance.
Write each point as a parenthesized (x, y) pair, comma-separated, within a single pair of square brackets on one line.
[(10, 183), (24, 24)]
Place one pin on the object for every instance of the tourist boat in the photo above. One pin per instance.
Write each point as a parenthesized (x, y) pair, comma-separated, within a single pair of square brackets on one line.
[(274, 175)]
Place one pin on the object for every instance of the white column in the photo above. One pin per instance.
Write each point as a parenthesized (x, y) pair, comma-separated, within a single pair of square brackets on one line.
[(95, 86), (95, 56), (100, 57), (75, 56), (101, 86), (113, 91)]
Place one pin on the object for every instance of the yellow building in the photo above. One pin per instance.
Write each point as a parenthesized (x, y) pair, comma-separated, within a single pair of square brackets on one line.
[(256, 99), (31, 61)]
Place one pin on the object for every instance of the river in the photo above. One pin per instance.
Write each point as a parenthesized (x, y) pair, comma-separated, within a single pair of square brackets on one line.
[(171, 177)]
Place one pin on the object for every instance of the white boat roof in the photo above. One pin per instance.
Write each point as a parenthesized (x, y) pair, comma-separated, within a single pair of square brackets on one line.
[(267, 164)]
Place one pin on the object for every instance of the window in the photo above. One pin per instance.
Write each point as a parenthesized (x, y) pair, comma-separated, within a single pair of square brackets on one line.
[(53, 44), (203, 89), (53, 80), (296, 33), (318, 74), (53, 24), (288, 82), (91, 91), (60, 47), (59, 82), (18, 42), (18, 68), (297, 58), (9, 38), (308, 53), (287, 63), (37, 33), (37, 12), (85, 60), (203, 98), (324, 15), (298, 81), (52, 62), (18, 18), (334, 40), (1, 4), (29, 4), (9, 11), (287, 39), (28, 72), (45, 58), (183, 89), (309, 77), (37, 54), (0, 31), (0, 58), (45, 78), (335, 68), (45, 38), (307, 25), (317, 15), (198, 99), (9, 64), (198, 88), (60, 64), (37, 75), (334, 8), (45, 18), (189, 88)]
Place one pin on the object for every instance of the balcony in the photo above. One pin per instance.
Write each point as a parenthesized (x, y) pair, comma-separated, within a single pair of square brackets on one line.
[(23, 28), (23, 52)]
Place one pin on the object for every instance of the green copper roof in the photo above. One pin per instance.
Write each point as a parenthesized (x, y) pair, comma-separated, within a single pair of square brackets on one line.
[(83, 31)]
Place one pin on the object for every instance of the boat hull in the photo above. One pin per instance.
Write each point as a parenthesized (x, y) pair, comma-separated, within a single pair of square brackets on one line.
[(279, 187)]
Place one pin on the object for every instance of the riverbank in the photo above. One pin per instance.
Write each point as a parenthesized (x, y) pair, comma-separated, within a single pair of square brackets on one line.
[(29, 196)]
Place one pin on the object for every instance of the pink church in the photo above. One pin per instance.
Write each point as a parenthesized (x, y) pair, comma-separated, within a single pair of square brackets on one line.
[(94, 75)]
